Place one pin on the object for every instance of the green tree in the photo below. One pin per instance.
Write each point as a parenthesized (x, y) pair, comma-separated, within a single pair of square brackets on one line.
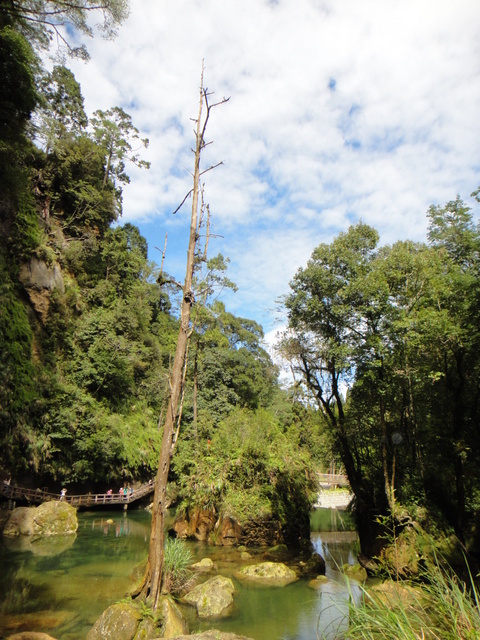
[(62, 110), (114, 132), (332, 321), (42, 21), (73, 184)]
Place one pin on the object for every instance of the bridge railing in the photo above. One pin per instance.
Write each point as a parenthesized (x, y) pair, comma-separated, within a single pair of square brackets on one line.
[(38, 496)]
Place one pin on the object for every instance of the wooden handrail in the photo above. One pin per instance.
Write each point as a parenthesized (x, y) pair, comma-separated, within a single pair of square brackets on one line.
[(90, 499)]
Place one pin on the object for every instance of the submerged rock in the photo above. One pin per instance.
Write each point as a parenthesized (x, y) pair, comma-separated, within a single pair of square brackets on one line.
[(30, 635), (40, 545), (22, 623), (48, 519), (213, 598), (314, 566), (213, 634), (318, 582), (274, 574)]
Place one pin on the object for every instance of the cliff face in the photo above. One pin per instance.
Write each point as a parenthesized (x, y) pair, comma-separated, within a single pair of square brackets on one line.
[(39, 281)]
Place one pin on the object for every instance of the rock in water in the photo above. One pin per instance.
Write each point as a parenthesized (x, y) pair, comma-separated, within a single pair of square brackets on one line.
[(118, 622), (48, 519), (213, 598), (274, 574), (30, 635)]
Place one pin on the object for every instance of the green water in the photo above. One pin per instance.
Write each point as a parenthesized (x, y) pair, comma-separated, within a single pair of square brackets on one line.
[(61, 586)]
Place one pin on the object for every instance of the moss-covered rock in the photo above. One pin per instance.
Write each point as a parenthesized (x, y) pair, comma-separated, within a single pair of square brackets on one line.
[(273, 574), (213, 598), (173, 622), (205, 564), (119, 621), (48, 519)]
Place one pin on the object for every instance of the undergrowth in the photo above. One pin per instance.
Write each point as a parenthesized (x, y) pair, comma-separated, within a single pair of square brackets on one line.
[(442, 608)]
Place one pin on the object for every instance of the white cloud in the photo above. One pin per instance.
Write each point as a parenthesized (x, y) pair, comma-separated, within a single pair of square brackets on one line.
[(338, 111)]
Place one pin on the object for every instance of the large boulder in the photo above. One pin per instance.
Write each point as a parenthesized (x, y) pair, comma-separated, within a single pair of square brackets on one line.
[(124, 621), (262, 532), (213, 598), (273, 574), (48, 519), (119, 622)]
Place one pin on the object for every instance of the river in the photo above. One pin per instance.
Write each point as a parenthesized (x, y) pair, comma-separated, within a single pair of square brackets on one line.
[(61, 586)]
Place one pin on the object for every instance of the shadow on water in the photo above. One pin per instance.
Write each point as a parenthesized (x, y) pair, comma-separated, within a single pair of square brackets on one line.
[(61, 587)]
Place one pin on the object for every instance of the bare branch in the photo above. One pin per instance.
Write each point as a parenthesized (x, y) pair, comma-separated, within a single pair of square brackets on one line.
[(214, 166), (183, 201)]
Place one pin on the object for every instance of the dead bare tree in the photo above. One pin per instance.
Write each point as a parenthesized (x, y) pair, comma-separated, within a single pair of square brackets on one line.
[(150, 589)]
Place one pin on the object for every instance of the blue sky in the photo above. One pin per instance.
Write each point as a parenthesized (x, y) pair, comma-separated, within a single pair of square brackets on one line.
[(339, 111)]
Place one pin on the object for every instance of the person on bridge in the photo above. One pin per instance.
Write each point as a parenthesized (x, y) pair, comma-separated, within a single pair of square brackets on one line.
[(63, 493)]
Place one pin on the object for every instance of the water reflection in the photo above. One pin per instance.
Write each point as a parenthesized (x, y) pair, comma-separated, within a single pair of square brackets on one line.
[(43, 546), (62, 589)]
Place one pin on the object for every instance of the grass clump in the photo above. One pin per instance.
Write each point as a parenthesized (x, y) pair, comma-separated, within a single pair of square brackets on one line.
[(444, 608), (176, 567)]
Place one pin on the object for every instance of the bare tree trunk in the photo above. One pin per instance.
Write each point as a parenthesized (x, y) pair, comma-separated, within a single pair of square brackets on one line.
[(153, 578), (151, 586)]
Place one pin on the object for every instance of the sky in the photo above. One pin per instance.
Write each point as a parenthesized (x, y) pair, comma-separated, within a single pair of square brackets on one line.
[(338, 111)]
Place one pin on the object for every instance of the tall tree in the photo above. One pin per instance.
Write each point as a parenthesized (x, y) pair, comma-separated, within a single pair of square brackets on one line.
[(152, 583), (332, 324)]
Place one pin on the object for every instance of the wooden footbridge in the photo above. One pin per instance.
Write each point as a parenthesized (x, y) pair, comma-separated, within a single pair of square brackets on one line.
[(37, 496), (332, 480)]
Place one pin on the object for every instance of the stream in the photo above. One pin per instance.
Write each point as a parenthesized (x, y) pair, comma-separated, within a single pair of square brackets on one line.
[(62, 585)]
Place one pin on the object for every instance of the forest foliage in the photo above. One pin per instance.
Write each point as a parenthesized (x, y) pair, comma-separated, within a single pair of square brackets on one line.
[(385, 340), (87, 353)]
